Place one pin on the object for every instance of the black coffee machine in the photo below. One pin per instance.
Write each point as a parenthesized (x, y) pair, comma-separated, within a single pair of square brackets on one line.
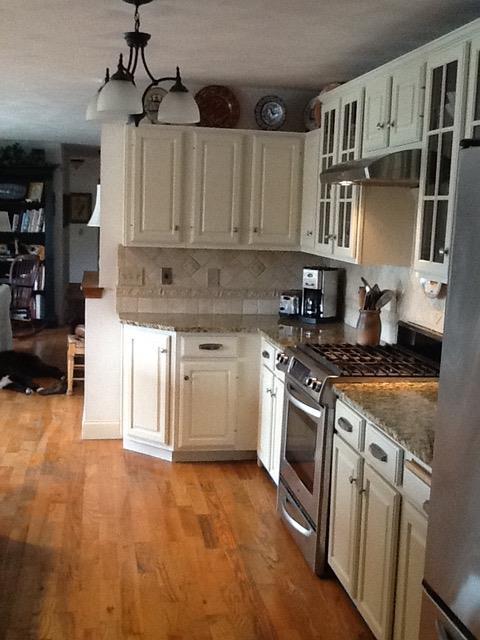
[(320, 293)]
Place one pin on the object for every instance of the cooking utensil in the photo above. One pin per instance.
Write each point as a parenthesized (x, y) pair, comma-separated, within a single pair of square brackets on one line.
[(362, 293), (367, 286), (386, 296)]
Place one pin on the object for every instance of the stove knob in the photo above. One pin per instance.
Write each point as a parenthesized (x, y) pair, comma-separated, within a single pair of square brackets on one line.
[(311, 383), (318, 386)]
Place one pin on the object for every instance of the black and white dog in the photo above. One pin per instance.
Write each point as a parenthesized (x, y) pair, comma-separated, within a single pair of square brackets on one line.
[(18, 370)]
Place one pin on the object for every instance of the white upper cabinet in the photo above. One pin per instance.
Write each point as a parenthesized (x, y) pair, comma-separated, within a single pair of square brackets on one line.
[(154, 197), (408, 99), (275, 189), (394, 108), (377, 114), (217, 187), (311, 185), (327, 192), (444, 114), (472, 128), (347, 196)]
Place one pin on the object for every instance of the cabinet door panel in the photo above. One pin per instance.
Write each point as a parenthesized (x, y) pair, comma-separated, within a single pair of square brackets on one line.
[(264, 447), (377, 110), (146, 385), (378, 550), (411, 562), (444, 118), (154, 195), (311, 183), (275, 197), (408, 96), (217, 199), (277, 422), (208, 404), (344, 514), (327, 193), (472, 128)]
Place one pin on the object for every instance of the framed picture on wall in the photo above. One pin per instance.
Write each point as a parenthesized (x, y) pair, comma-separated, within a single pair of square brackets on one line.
[(79, 208)]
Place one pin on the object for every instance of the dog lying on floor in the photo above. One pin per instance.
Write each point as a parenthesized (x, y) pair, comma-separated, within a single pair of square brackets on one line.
[(18, 371)]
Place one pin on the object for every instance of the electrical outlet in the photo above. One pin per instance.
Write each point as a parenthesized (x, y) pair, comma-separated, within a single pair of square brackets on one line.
[(167, 276)]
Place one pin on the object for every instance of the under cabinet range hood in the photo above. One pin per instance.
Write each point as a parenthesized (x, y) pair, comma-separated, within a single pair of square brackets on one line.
[(398, 169)]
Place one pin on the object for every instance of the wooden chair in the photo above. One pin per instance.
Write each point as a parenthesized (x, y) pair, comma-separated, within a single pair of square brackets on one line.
[(75, 351)]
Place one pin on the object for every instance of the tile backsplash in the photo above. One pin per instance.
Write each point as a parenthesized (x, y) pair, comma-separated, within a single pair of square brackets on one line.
[(234, 281)]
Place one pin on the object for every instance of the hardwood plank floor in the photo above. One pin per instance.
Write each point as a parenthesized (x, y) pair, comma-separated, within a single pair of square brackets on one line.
[(100, 544)]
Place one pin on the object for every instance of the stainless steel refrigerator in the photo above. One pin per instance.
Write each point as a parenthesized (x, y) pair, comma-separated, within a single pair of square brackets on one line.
[(451, 605)]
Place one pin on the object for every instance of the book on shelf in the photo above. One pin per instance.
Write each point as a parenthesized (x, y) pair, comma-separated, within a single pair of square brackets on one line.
[(29, 221), (5, 221), (39, 284), (38, 311)]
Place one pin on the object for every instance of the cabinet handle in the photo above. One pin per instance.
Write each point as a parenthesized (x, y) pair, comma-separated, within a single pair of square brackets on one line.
[(391, 124), (380, 125), (269, 391), (352, 480), (255, 229), (273, 394), (362, 491), (345, 425), (443, 252), (377, 452), (176, 227), (210, 346), (186, 378), (235, 229), (163, 350), (309, 233), (265, 354)]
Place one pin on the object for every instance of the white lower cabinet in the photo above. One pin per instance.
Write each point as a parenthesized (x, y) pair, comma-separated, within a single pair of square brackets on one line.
[(377, 556), (345, 513), (146, 385), (270, 422), (208, 403), (378, 553), (411, 561)]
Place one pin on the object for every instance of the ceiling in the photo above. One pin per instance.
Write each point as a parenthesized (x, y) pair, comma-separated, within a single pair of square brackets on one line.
[(54, 52)]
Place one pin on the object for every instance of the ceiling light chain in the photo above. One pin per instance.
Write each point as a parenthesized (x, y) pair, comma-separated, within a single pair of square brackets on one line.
[(119, 97)]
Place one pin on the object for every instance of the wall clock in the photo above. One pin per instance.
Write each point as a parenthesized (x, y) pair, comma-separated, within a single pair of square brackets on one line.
[(270, 113)]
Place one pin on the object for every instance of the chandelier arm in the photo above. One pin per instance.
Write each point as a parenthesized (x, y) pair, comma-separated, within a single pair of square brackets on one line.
[(134, 65), (130, 59)]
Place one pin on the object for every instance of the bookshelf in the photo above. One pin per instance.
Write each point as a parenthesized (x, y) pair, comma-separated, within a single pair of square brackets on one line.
[(31, 228)]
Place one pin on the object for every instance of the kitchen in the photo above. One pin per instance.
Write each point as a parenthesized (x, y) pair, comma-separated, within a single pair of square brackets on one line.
[(191, 296)]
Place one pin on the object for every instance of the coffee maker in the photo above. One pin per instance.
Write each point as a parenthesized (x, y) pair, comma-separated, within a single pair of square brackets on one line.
[(320, 290)]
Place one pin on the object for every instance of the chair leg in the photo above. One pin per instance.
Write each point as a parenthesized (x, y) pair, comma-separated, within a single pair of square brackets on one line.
[(70, 367)]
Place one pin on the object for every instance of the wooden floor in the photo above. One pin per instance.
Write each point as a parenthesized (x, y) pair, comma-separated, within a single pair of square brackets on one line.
[(97, 543)]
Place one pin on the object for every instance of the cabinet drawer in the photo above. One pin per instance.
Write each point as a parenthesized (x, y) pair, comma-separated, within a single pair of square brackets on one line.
[(383, 454), (208, 346), (415, 489), (349, 425)]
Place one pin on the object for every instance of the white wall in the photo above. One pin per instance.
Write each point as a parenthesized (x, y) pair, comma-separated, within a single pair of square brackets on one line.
[(82, 240), (102, 410)]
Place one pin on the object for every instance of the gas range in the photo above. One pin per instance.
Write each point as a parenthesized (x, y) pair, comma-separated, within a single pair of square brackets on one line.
[(315, 366)]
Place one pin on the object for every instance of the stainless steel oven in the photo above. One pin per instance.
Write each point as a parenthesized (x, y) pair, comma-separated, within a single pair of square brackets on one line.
[(304, 471)]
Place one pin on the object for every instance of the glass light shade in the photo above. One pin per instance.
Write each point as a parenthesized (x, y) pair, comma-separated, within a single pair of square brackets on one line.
[(94, 115), (95, 217), (120, 97), (178, 107)]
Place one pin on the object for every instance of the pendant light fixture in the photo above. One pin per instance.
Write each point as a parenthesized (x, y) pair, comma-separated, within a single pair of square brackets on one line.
[(119, 97)]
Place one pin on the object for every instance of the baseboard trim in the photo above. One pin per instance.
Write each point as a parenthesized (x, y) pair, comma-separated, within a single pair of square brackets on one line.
[(213, 456), (101, 431), (147, 450)]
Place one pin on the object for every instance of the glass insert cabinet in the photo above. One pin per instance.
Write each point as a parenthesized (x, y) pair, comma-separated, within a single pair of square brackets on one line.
[(442, 133)]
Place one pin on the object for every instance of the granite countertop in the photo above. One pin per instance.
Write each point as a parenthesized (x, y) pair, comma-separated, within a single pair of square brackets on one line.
[(282, 332), (403, 410)]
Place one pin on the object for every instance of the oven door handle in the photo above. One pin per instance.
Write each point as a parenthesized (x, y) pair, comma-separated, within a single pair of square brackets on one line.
[(315, 413), (293, 523)]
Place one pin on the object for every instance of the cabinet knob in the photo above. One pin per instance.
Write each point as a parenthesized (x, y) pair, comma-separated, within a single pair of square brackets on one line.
[(255, 229), (235, 229), (163, 350), (443, 252), (362, 491), (176, 227), (309, 233), (269, 391), (352, 480), (380, 125), (186, 378), (391, 124)]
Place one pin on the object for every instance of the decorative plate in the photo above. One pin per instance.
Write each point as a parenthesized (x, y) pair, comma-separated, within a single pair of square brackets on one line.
[(152, 100), (218, 106), (312, 116), (12, 191), (270, 112)]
